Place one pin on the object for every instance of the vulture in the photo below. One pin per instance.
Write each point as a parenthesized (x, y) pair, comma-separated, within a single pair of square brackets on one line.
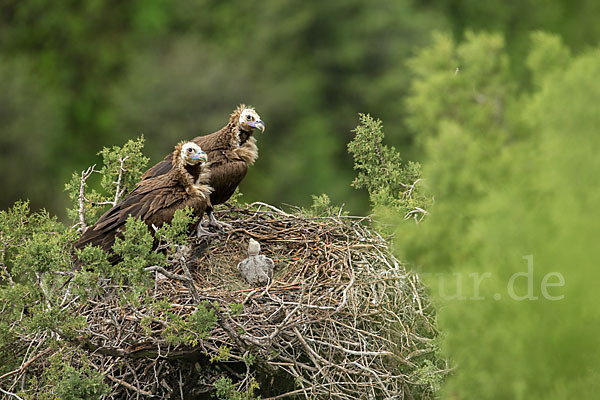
[(230, 151), (257, 269), (155, 200)]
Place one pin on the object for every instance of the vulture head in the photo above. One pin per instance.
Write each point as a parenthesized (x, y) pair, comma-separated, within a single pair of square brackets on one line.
[(253, 247), (191, 154), (247, 119)]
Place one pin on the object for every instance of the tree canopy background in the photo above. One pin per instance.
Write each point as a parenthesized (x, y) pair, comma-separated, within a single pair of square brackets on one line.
[(79, 76), (503, 119)]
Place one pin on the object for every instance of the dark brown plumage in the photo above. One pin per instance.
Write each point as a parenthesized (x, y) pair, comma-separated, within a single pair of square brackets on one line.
[(155, 200), (230, 151)]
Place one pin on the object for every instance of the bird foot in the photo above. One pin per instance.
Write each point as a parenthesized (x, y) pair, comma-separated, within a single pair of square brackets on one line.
[(212, 221), (220, 225), (201, 232)]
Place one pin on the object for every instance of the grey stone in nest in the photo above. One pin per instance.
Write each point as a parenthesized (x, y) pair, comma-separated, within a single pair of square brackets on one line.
[(257, 269)]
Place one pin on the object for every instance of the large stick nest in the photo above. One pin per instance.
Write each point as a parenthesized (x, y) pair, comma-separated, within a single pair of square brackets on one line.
[(341, 318)]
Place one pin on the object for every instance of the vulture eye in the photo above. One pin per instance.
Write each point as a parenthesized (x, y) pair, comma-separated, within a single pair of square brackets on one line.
[(248, 117), (190, 150)]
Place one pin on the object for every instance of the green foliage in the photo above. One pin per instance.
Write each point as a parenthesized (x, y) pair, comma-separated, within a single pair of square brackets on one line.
[(236, 309), (329, 59), (30, 124), (121, 171), (176, 70), (42, 252), (573, 20), (18, 224), (390, 182), (96, 265), (467, 118), (35, 248), (71, 383), (249, 359), (136, 243), (506, 167), (467, 84), (177, 232), (514, 180), (190, 331), (136, 253), (128, 162), (35, 261), (322, 207), (203, 320), (548, 56), (321, 204), (224, 354), (227, 390), (428, 374), (235, 199)]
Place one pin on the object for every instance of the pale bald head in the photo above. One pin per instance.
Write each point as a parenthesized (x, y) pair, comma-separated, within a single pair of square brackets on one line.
[(249, 119), (253, 247), (192, 154)]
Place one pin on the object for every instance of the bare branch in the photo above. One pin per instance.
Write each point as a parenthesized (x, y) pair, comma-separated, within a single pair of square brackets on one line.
[(84, 176), (10, 394), (119, 192), (26, 364), (408, 193), (168, 274), (417, 214)]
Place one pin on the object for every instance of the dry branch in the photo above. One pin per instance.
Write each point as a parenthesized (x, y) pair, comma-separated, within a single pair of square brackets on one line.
[(81, 211)]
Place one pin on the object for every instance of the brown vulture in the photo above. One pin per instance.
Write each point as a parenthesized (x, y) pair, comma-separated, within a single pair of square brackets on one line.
[(230, 151), (155, 200)]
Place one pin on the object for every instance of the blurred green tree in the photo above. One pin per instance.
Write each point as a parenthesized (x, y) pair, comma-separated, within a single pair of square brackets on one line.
[(510, 241), (573, 20), (30, 123), (73, 52)]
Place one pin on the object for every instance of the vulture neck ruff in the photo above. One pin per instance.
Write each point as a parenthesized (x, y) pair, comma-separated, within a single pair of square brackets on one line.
[(185, 174), (239, 135), (248, 152)]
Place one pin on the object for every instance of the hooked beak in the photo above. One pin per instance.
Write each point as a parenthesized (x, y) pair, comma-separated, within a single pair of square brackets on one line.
[(200, 156), (258, 125)]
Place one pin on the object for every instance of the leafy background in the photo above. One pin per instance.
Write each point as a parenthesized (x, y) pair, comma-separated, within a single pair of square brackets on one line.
[(503, 118)]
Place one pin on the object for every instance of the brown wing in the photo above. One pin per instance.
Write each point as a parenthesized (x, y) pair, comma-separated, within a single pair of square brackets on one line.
[(154, 201), (225, 178), (158, 169)]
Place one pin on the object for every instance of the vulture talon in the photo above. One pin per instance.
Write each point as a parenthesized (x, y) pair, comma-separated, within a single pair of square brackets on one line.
[(212, 221), (201, 232)]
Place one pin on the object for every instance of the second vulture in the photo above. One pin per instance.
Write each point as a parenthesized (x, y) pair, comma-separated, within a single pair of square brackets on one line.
[(230, 151), (155, 200)]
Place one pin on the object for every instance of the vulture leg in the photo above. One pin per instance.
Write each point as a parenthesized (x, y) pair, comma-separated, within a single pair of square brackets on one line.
[(212, 221), (200, 232)]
